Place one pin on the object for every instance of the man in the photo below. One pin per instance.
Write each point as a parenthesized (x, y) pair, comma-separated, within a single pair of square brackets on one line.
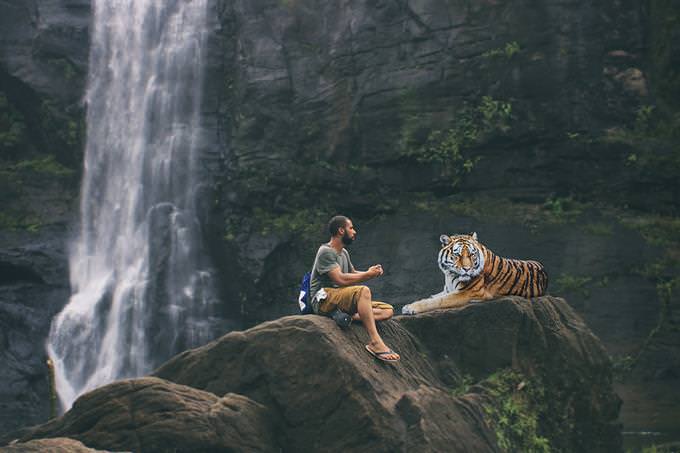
[(334, 285)]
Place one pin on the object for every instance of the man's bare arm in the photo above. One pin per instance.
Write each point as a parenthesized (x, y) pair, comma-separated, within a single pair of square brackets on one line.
[(345, 279)]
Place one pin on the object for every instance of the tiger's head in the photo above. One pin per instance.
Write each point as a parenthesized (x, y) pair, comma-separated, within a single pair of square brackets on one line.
[(461, 256)]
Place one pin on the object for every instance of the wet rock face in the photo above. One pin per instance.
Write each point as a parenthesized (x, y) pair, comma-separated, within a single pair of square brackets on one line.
[(302, 384), (294, 85), (321, 103), (317, 81), (33, 288), (45, 44)]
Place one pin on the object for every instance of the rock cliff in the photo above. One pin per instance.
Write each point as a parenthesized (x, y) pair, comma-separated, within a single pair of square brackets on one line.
[(505, 375), (43, 63), (536, 125)]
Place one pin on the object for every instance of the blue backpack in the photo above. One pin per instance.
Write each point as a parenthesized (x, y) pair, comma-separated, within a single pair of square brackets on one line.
[(303, 298)]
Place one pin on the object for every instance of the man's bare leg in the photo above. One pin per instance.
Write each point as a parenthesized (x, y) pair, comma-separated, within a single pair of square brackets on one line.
[(365, 309), (379, 314)]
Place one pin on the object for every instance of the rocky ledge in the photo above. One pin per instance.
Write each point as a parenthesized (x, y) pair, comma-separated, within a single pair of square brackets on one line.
[(508, 374)]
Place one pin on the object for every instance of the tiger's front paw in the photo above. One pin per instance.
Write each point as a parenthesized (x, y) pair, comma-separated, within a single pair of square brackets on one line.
[(408, 310)]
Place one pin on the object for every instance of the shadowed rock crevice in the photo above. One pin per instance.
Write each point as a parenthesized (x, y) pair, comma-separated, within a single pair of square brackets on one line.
[(10, 274)]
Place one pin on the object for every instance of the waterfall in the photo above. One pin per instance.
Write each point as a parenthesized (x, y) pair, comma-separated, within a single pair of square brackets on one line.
[(141, 289)]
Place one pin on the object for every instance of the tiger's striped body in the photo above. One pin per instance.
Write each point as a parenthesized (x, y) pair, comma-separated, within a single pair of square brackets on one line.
[(473, 272)]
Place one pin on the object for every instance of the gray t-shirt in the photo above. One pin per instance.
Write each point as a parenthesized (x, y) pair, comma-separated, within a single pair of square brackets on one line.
[(326, 259)]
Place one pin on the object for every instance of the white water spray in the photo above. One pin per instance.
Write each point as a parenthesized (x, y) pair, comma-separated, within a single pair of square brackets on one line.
[(140, 289)]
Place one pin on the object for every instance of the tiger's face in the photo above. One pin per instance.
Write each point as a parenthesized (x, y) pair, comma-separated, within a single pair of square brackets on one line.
[(460, 256)]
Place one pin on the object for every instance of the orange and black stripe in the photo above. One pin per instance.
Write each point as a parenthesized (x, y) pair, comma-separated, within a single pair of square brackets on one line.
[(504, 276)]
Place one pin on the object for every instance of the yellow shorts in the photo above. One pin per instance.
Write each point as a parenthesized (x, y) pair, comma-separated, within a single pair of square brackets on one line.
[(346, 299)]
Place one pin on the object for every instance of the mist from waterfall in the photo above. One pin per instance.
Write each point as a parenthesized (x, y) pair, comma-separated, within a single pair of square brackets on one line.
[(141, 289)]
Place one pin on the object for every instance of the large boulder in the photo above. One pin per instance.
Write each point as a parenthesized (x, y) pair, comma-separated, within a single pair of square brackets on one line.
[(150, 414), (330, 393), (508, 374), (317, 376)]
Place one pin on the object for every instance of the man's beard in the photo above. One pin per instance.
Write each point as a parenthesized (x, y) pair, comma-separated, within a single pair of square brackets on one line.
[(346, 239)]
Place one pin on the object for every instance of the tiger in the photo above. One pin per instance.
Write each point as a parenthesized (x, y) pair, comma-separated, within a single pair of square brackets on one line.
[(473, 272)]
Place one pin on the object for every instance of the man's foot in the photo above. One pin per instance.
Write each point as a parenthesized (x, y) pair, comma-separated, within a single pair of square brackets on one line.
[(383, 353)]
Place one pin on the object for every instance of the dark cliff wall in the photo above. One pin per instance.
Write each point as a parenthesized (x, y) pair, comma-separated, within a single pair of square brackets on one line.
[(43, 64), (543, 126)]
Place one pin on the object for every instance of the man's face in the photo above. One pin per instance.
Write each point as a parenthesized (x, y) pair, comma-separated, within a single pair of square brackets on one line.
[(349, 233)]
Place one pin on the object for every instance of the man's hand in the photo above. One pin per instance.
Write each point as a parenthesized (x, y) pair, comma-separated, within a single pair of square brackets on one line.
[(354, 278), (375, 270)]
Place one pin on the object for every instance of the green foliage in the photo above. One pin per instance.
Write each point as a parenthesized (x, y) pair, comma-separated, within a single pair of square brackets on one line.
[(622, 366), (654, 139), (573, 284), (32, 162), (598, 229), (46, 165), (508, 51), (561, 210), (446, 147), (643, 119), (533, 216), (463, 386), (19, 221), (664, 23), (514, 412), (65, 67), (651, 123), (12, 125), (302, 222), (496, 115), (664, 290), (656, 230), (663, 232), (57, 123)]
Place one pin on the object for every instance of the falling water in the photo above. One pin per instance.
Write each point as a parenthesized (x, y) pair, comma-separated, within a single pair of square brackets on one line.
[(140, 290)]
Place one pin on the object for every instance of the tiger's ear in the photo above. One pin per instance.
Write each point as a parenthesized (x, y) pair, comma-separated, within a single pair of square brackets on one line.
[(474, 235), (444, 239)]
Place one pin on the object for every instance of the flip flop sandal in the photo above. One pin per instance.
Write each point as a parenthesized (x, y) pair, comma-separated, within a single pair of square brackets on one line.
[(381, 355)]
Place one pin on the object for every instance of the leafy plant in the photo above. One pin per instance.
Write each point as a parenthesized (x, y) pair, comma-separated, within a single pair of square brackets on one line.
[(463, 386), (303, 222), (622, 366), (446, 147), (507, 51), (573, 284), (513, 413), (46, 165), (561, 210), (67, 69), (12, 126), (598, 229), (20, 221)]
